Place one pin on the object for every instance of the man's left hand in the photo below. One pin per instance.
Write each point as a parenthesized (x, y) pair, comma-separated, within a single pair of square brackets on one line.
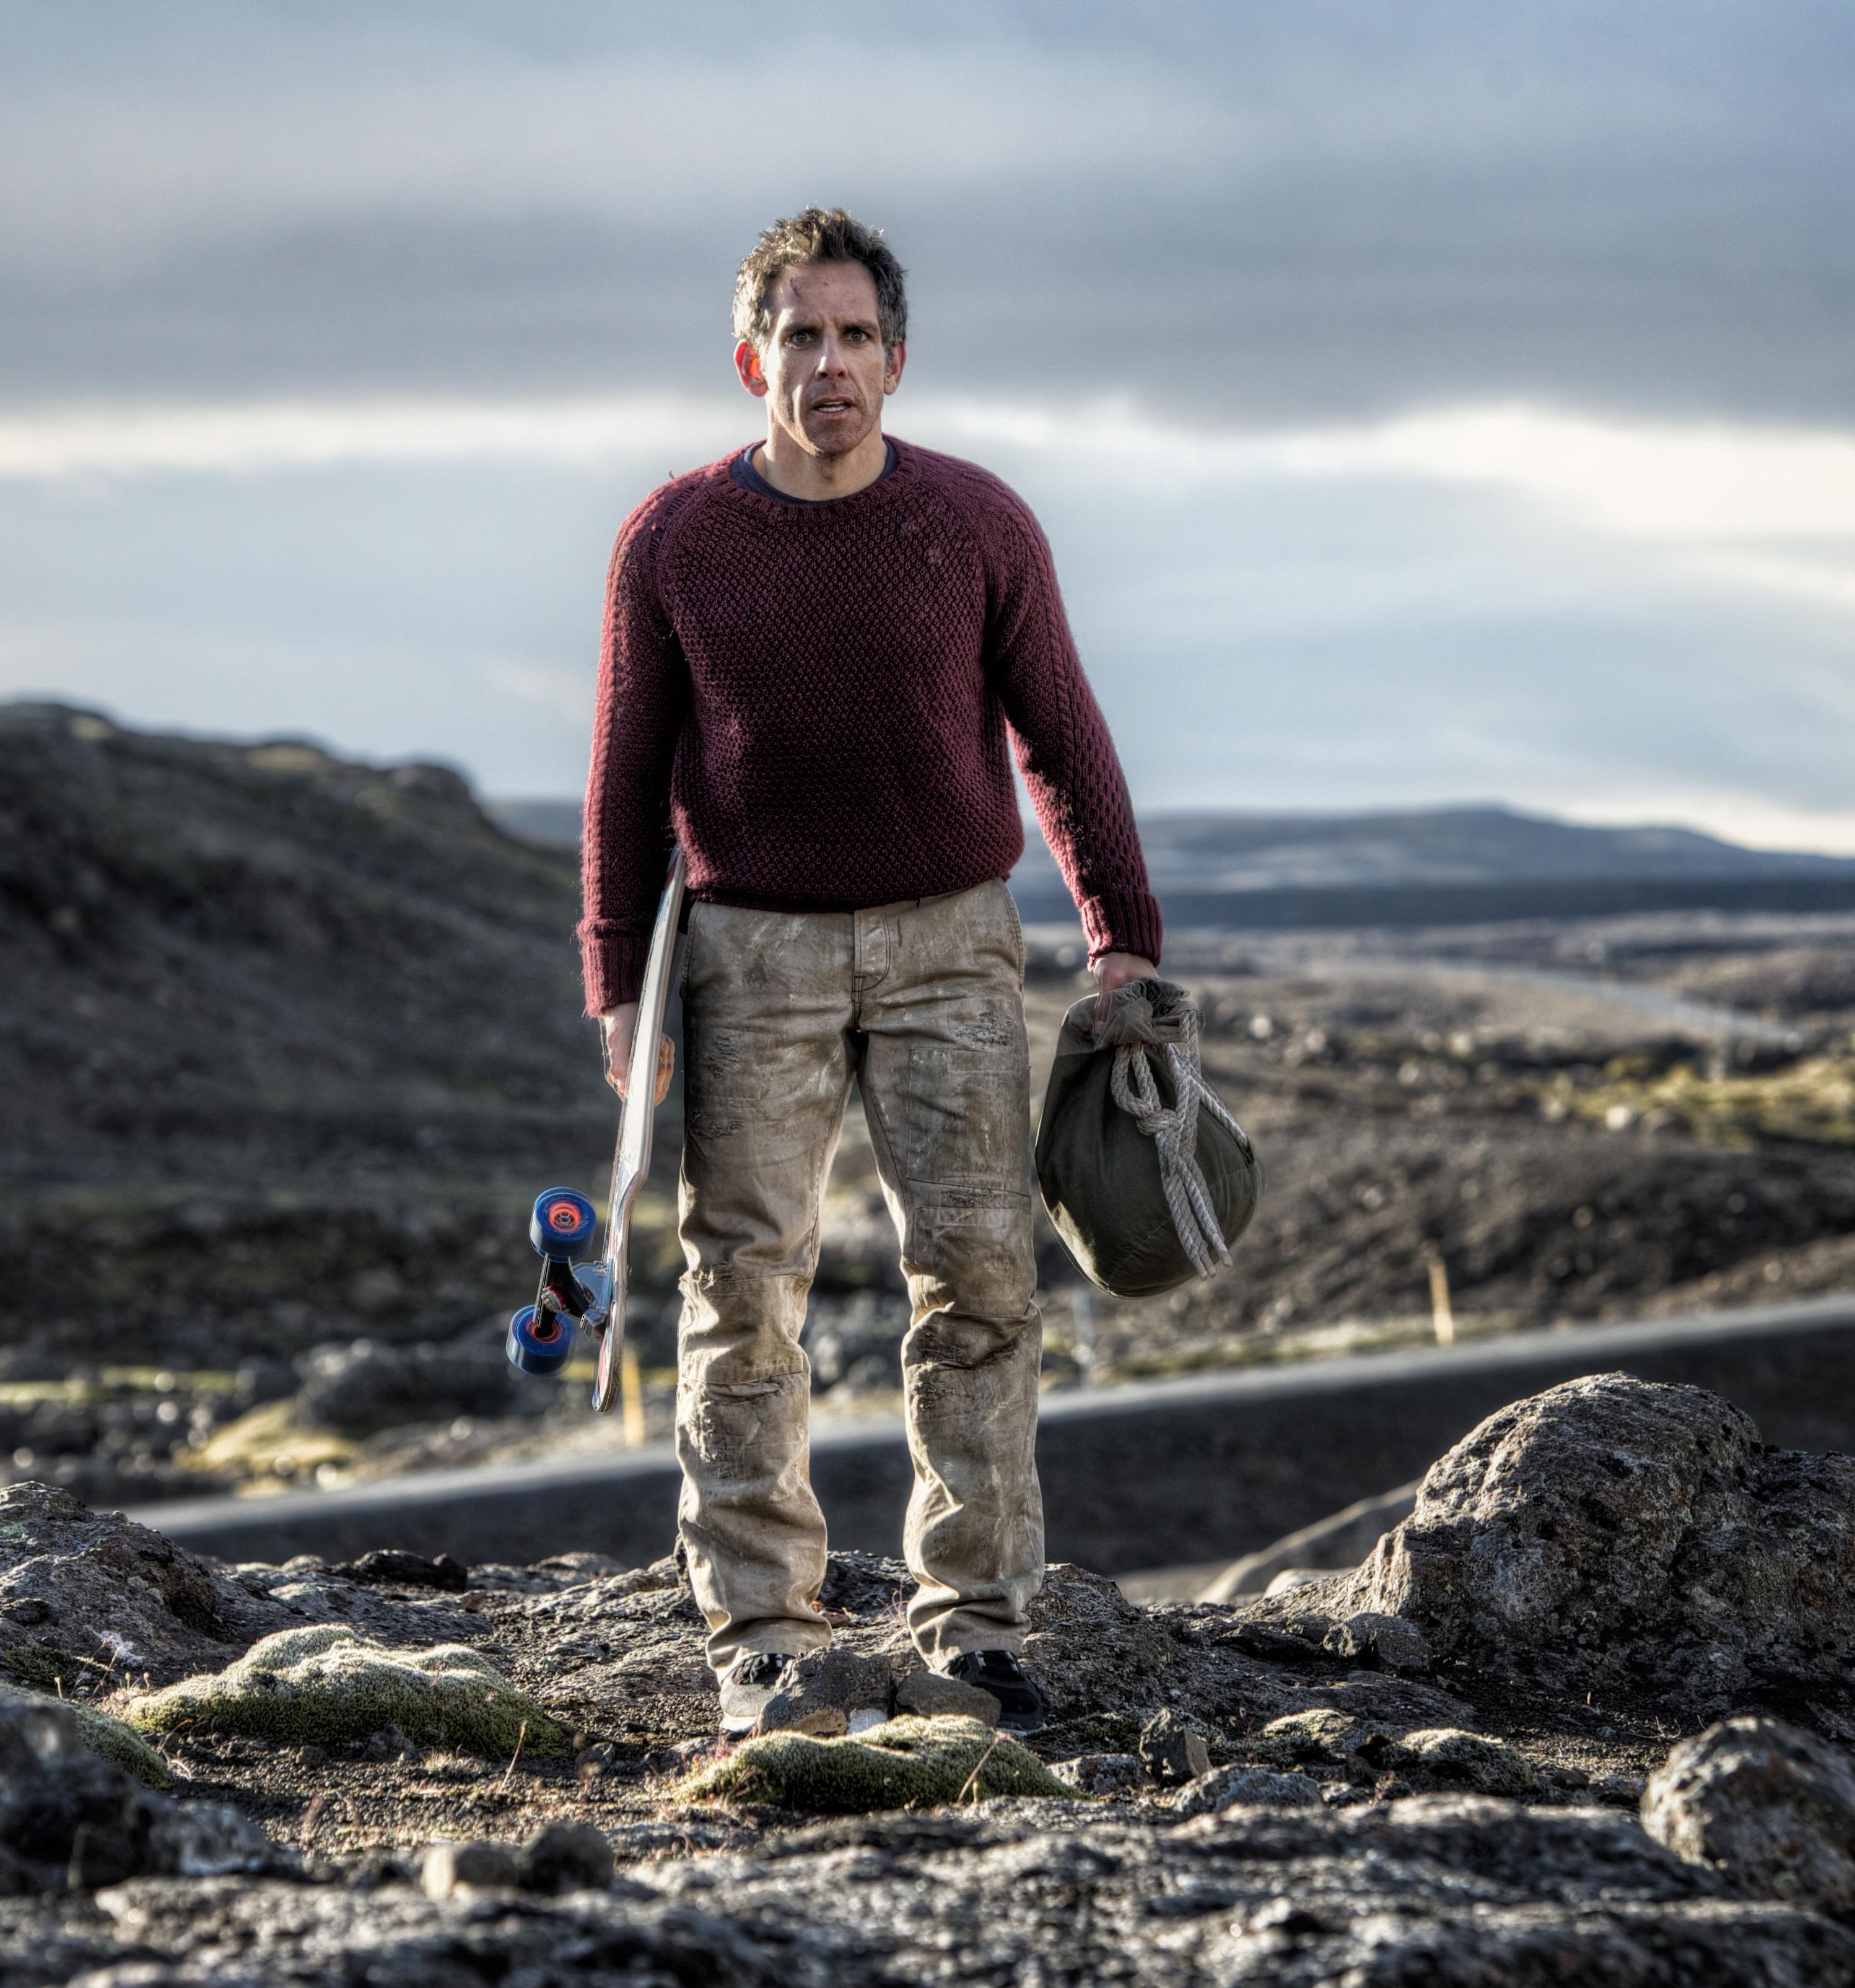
[(1115, 969)]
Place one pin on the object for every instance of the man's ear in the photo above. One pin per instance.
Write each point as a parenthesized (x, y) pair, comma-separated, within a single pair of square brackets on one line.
[(893, 359), (746, 363)]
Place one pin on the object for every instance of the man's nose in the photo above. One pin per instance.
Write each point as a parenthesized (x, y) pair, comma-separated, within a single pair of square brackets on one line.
[(830, 354)]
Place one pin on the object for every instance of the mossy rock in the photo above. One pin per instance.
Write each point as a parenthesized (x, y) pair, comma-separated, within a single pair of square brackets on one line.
[(1093, 1732), (1319, 1734), (109, 1739), (905, 1763), (324, 1684), (37, 1664), (1465, 1760)]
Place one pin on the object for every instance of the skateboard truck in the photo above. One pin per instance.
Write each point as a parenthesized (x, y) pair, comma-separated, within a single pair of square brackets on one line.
[(592, 1294)]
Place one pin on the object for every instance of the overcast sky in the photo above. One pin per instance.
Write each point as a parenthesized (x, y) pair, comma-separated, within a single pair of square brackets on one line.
[(1426, 402)]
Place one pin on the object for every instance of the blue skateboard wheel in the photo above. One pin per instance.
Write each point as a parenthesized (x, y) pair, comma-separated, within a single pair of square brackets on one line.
[(539, 1342), (561, 1228)]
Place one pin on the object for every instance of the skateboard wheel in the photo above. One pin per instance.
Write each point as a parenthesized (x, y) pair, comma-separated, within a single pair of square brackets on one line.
[(539, 1342), (562, 1226)]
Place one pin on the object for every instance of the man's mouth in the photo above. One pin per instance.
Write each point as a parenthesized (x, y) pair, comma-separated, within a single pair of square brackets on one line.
[(832, 407)]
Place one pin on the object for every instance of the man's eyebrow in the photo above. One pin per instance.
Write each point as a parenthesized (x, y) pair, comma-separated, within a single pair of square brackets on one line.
[(810, 321)]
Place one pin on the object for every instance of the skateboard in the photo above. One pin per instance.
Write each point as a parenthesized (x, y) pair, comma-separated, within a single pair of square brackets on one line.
[(592, 1292)]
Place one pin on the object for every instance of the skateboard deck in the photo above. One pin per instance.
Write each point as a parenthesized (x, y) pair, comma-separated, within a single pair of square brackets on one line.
[(575, 1287), (631, 1157)]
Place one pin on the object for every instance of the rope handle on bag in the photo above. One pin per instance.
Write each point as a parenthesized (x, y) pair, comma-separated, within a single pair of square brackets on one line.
[(1159, 1018)]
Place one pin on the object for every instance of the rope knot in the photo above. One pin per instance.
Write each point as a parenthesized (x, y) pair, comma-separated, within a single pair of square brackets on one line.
[(1149, 1018)]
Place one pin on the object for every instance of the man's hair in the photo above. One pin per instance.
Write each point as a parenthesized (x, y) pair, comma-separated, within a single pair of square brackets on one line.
[(818, 234)]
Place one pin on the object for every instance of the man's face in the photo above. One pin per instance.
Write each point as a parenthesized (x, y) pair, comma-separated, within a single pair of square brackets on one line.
[(824, 372)]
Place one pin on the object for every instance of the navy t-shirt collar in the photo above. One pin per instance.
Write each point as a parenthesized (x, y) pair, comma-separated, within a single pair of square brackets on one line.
[(744, 473)]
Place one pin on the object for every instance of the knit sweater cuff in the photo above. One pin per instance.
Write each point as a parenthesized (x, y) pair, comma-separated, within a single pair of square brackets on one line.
[(1122, 921), (614, 965)]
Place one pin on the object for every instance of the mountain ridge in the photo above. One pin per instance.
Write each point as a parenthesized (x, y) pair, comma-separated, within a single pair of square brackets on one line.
[(1471, 842)]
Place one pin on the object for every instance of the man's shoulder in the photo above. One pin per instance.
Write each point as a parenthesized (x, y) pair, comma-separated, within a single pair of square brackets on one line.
[(676, 499), (980, 496)]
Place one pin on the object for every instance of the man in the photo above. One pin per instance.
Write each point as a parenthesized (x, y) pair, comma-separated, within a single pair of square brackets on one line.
[(816, 653)]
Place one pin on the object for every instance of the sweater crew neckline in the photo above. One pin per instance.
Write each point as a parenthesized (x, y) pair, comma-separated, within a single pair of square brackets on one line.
[(742, 476)]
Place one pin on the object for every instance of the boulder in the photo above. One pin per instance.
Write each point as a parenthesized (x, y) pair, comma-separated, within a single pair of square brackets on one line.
[(906, 1763), (360, 1386), (1771, 1807), (84, 1593), (324, 1683), (1618, 1535), (67, 1816)]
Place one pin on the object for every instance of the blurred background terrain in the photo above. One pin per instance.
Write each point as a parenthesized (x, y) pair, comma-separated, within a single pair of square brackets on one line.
[(289, 1042), (1442, 421)]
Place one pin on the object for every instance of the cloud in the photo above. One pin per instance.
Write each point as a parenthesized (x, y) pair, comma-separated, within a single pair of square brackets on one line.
[(1741, 508), (1266, 214)]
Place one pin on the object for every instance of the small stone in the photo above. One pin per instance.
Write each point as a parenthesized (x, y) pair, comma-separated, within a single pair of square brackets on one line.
[(819, 1691), (930, 1695), (566, 1857), (1372, 1638), (311, 1756), (1172, 1751), (448, 1865), (1772, 1808), (1245, 1787), (1343, 1794), (389, 1743), (593, 1762), (1102, 1773)]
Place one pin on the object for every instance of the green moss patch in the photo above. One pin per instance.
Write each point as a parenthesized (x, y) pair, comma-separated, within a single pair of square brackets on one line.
[(906, 1763), (324, 1684)]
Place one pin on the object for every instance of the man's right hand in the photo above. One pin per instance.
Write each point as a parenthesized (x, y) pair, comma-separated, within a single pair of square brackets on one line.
[(618, 1025)]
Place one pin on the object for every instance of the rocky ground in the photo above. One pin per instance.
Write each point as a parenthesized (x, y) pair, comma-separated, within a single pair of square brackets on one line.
[(1581, 1717)]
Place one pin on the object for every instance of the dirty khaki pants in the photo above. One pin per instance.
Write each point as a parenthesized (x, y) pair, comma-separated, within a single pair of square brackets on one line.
[(922, 1001)]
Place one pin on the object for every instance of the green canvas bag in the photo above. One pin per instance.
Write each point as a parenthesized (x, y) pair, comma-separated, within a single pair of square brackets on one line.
[(1146, 1174)]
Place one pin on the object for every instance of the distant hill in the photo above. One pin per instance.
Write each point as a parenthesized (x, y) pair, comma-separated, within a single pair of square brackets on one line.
[(272, 1022), (1417, 866)]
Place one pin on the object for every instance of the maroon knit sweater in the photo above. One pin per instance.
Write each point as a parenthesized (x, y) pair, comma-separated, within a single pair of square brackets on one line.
[(815, 700)]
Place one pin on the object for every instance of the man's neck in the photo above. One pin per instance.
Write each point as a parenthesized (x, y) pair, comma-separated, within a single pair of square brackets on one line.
[(796, 472)]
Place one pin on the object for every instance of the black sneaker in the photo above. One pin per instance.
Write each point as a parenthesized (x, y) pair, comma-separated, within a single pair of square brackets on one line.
[(746, 1686), (999, 1673)]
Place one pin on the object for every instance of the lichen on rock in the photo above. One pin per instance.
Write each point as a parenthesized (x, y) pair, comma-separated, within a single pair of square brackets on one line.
[(322, 1683), (1771, 1807), (906, 1763), (1627, 1535)]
